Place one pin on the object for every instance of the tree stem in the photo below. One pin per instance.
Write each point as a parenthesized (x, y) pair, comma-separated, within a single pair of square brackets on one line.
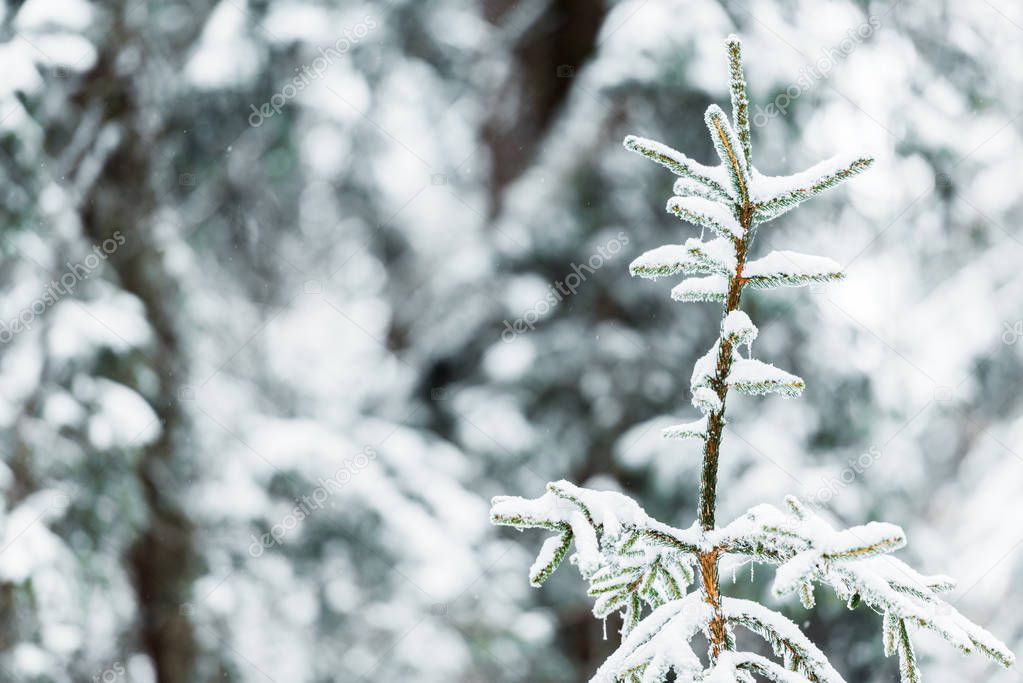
[(712, 447)]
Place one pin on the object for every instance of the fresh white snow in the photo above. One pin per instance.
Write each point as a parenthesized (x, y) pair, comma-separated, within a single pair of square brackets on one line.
[(706, 213), (793, 268), (751, 613), (696, 429), (662, 638), (706, 399), (738, 328), (765, 188), (674, 157), (752, 376), (695, 256), (668, 259), (701, 289)]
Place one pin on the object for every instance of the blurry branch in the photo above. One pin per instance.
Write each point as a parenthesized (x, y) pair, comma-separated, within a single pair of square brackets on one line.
[(111, 157), (546, 58)]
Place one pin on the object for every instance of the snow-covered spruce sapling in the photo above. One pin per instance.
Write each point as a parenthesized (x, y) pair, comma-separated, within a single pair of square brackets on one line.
[(634, 563)]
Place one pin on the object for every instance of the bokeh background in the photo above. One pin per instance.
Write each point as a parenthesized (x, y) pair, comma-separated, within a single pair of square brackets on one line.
[(260, 260)]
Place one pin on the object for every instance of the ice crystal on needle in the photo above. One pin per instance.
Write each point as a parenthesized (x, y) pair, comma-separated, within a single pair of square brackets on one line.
[(664, 580)]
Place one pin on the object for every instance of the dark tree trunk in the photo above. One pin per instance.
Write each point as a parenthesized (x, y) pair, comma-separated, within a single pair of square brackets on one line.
[(118, 205), (547, 54)]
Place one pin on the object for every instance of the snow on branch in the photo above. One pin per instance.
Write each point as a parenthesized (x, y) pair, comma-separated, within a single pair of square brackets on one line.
[(660, 645), (731, 665), (712, 179), (701, 289), (665, 260), (695, 256), (609, 514), (705, 368), (756, 378), (855, 564), (706, 214), (729, 150), (633, 562), (909, 670), (706, 400), (740, 100), (687, 187), (737, 328), (789, 643), (790, 269), (629, 559), (636, 573), (552, 552), (690, 430), (777, 195), (717, 255)]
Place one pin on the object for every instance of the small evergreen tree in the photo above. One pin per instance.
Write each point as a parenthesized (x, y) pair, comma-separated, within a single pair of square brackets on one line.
[(635, 563)]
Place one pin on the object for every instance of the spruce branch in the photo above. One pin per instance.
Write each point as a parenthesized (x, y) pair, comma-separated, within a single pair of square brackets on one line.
[(551, 554), (633, 562), (697, 429), (712, 288), (730, 665), (678, 163), (687, 187), (790, 269), (695, 256), (727, 145), (706, 214), (740, 100), (907, 657), (796, 650), (777, 196)]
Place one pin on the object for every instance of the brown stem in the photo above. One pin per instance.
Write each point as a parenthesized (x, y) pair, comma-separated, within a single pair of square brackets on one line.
[(709, 572), (712, 447)]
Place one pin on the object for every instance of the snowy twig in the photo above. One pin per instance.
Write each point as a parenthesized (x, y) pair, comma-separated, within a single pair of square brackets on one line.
[(633, 562)]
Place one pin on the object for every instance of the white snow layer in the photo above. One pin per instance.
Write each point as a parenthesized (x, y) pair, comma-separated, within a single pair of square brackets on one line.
[(730, 664), (765, 188), (609, 526), (737, 327), (752, 376), (662, 639), (696, 429), (749, 612), (700, 289), (706, 213), (694, 256), (548, 553), (668, 259), (706, 399), (718, 174), (790, 264)]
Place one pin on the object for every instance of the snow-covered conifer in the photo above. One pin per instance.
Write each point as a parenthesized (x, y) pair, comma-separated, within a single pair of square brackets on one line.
[(664, 580)]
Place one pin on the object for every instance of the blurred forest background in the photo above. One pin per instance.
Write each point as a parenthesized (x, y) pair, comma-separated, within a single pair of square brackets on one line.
[(277, 320)]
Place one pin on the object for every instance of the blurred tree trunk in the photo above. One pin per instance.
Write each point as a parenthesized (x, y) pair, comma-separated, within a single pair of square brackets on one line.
[(547, 51), (162, 561)]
